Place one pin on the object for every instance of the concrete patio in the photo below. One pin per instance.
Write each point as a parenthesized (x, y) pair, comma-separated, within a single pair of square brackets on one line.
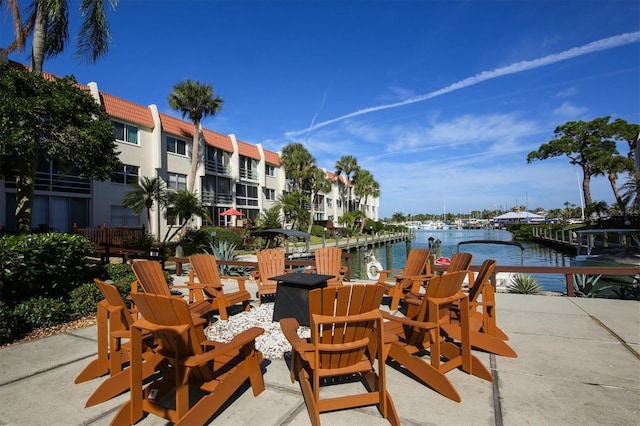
[(578, 363)]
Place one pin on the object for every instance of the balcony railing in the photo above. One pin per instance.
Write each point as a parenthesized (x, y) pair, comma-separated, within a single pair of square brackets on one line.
[(249, 174), (211, 198), (58, 183), (217, 167)]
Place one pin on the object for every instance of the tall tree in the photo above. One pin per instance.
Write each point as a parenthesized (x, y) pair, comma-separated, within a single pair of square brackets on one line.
[(611, 167), (583, 143), (365, 186), (184, 205), (631, 192), (291, 205), (319, 182), (144, 194), (197, 101), (298, 165), (48, 24), (50, 120), (348, 165)]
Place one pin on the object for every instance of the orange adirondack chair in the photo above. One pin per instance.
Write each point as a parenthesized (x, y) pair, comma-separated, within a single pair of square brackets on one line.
[(270, 264), (347, 335), (484, 334), (209, 281), (114, 321), (417, 269), (422, 332), (152, 280), (328, 262), (216, 369), (459, 262)]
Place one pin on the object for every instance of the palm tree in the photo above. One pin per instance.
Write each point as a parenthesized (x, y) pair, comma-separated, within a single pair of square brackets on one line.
[(631, 189), (143, 194), (364, 186), (198, 101), (184, 205), (319, 183), (298, 165), (611, 166), (347, 164), (291, 206), (48, 24)]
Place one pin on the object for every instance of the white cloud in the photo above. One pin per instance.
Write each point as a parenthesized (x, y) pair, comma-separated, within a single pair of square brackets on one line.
[(569, 111)]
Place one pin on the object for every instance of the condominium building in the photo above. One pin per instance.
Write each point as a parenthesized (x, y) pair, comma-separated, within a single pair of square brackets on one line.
[(231, 174)]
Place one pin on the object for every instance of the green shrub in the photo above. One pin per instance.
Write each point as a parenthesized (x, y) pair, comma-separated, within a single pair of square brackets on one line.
[(225, 251), (224, 234), (318, 231), (46, 265), (588, 285), (8, 324), (84, 300), (524, 284), (42, 312)]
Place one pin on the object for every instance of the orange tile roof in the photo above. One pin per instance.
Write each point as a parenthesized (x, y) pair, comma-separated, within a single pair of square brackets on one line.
[(248, 150), (331, 176), (175, 126), (217, 140), (125, 110), (272, 158)]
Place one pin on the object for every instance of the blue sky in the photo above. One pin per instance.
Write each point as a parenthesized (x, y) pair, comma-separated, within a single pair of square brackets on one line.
[(440, 100)]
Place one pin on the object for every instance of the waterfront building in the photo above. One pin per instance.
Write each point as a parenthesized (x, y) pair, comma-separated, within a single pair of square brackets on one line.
[(231, 174)]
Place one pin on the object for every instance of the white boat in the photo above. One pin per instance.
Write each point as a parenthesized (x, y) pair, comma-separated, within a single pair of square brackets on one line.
[(609, 247)]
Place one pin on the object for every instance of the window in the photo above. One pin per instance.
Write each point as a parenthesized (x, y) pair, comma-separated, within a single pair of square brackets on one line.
[(248, 168), (270, 194), (177, 146), (126, 174), (339, 203), (125, 132), (176, 181), (329, 202), (216, 160), (270, 170), (122, 216), (246, 195)]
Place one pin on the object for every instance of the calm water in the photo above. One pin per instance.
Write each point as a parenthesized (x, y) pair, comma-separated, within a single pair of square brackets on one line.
[(533, 255)]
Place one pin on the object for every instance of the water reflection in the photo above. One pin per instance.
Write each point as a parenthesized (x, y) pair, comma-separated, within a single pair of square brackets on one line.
[(395, 255)]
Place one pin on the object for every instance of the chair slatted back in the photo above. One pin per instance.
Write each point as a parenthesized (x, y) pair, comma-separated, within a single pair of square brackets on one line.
[(460, 262), (417, 262), (270, 264), (174, 328), (328, 262), (339, 330), (482, 279), (206, 270), (113, 297), (150, 277)]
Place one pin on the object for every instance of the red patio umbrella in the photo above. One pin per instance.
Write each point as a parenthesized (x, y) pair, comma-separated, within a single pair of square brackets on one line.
[(231, 212)]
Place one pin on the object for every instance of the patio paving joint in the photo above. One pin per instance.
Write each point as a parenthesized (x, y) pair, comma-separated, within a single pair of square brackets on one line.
[(616, 336)]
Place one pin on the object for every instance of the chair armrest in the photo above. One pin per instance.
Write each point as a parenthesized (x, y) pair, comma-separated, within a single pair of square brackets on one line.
[(289, 328), (240, 280), (233, 346), (407, 321), (385, 272)]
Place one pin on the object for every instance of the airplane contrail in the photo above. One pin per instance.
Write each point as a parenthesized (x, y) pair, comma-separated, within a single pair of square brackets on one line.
[(603, 44)]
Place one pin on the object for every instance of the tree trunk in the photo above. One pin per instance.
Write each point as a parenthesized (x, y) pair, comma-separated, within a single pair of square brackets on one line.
[(312, 212), (24, 193), (39, 41), (586, 188), (616, 193), (195, 155)]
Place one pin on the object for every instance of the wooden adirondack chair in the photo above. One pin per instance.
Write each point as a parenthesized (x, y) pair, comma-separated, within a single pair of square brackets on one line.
[(484, 332), (209, 281), (328, 262), (422, 333), (216, 369), (270, 264), (114, 321), (347, 335), (459, 262), (417, 269), (151, 278)]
